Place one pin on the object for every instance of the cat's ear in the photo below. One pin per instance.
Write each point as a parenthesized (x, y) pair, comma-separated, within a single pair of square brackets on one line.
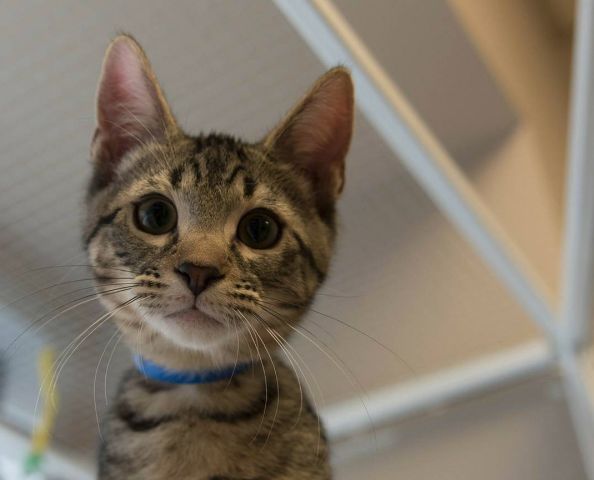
[(131, 108), (316, 134)]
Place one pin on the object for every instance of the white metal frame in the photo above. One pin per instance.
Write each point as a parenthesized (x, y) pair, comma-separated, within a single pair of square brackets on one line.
[(567, 331)]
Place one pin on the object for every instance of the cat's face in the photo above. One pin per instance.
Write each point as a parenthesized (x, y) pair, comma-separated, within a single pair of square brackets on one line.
[(209, 244)]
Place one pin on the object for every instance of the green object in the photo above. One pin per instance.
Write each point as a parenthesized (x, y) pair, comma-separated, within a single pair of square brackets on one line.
[(33, 463)]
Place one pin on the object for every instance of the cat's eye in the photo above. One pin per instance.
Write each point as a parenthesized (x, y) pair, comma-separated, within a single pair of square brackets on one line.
[(259, 229), (155, 215)]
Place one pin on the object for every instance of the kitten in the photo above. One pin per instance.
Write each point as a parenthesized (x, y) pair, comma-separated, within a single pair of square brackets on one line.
[(208, 250)]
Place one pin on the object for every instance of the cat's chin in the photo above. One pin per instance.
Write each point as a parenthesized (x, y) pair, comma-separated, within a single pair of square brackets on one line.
[(194, 318), (191, 329)]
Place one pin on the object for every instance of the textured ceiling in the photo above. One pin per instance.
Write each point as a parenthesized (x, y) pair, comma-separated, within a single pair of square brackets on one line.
[(401, 273)]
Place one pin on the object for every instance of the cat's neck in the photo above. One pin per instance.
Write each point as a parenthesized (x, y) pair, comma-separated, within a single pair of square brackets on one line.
[(254, 379), (158, 350)]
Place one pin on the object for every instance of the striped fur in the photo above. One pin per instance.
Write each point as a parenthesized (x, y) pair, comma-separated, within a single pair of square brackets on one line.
[(258, 425)]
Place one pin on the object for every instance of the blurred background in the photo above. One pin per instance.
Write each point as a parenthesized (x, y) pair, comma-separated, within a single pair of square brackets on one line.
[(489, 77)]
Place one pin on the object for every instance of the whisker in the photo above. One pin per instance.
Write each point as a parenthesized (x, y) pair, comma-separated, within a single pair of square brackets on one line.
[(78, 265), (139, 342), (287, 348), (292, 293), (263, 372), (67, 353), (113, 350), (273, 334), (276, 379), (77, 302), (23, 274), (73, 346), (318, 390), (359, 331), (236, 356), (334, 295), (43, 289), (95, 382), (336, 360), (45, 380)]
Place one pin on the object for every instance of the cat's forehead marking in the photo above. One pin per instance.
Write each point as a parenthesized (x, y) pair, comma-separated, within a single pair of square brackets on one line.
[(221, 172), (205, 159)]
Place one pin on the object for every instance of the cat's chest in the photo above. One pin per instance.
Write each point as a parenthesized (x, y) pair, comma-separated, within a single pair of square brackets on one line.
[(249, 429), (182, 433), (180, 422), (189, 448), (184, 418)]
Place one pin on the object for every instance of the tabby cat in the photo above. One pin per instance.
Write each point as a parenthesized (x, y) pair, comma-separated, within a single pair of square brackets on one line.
[(207, 251)]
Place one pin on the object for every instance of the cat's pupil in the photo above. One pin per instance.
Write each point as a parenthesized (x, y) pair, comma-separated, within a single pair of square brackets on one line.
[(157, 215), (258, 228)]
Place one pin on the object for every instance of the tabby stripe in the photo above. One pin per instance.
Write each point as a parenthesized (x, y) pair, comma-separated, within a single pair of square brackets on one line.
[(199, 144), (106, 220), (253, 411), (215, 165), (171, 243), (242, 155), (231, 178), (308, 254), (213, 140), (237, 255), (291, 306), (176, 176), (197, 169), (249, 185), (150, 386), (139, 424)]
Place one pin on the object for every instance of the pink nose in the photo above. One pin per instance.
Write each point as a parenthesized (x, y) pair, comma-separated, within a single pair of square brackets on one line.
[(198, 277)]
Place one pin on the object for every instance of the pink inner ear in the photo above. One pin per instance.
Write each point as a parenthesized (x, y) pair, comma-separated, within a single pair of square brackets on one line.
[(321, 132), (127, 103)]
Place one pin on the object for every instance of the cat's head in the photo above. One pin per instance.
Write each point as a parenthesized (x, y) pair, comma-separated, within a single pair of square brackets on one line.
[(206, 246)]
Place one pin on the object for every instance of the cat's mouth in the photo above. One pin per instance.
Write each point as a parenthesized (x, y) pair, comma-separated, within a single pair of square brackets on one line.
[(195, 316)]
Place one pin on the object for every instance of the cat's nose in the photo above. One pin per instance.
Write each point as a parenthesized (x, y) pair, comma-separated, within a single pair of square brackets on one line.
[(198, 277)]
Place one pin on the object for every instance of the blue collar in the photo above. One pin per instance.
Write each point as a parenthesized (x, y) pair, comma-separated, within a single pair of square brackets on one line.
[(162, 374)]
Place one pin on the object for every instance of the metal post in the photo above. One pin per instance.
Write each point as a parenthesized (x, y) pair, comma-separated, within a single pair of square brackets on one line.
[(579, 394), (578, 266)]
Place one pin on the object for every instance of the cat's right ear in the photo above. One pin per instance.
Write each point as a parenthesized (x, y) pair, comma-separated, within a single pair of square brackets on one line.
[(315, 136), (131, 108)]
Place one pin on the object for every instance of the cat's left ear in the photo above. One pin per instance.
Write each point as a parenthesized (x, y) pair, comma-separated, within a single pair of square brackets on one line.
[(316, 134), (131, 107)]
